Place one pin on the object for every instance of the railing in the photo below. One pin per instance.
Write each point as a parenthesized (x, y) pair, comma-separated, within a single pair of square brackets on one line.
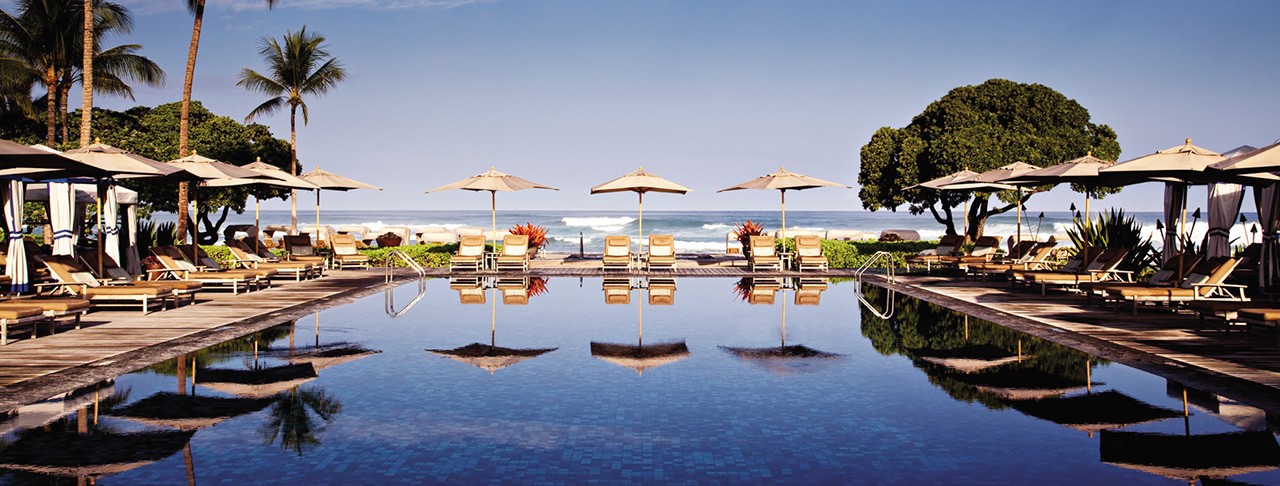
[(890, 294), (389, 299), (389, 265)]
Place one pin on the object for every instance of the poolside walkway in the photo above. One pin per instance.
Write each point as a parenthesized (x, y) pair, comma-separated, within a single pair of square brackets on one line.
[(1244, 366), (112, 343)]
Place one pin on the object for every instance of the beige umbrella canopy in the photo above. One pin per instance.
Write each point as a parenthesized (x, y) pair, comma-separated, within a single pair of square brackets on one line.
[(324, 179), (784, 180), (493, 181), (641, 356), (188, 412), (258, 382), (995, 179), (275, 178), (125, 164), (1173, 164), (1265, 159), (1191, 457), (640, 182), (1094, 412), (17, 160), (939, 183), (490, 356), (205, 169)]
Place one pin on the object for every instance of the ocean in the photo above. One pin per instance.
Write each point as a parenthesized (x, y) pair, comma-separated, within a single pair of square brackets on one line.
[(695, 231)]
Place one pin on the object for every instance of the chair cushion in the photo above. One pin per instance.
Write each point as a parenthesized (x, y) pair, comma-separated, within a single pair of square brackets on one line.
[(617, 251), (470, 251), (809, 251), (660, 251), (128, 290), (60, 305), (762, 251), (1267, 315), (20, 312)]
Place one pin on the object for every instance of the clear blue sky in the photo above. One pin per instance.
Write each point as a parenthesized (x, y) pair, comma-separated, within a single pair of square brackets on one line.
[(711, 93)]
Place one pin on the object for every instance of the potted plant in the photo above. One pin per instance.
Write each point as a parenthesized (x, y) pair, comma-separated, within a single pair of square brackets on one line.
[(537, 235), (388, 239), (744, 231)]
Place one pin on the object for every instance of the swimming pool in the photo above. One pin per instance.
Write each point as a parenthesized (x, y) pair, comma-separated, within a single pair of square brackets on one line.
[(638, 381)]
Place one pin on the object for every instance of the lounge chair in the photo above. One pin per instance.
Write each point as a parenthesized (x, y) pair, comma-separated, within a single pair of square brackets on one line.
[(1250, 261), (515, 291), (246, 258), (1166, 276), (763, 290), (71, 308), (299, 249), (116, 274), (617, 253), (470, 290), (809, 291), (617, 291), (948, 245), (345, 253), (1073, 265), (197, 255), (1205, 282), (1261, 316), (14, 316), (662, 291), (1036, 259), (514, 254), (177, 267), (1101, 269), (984, 250), (73, 279), (809, 253), (662, 252), (263, 250), (763, 253), (470, 254)]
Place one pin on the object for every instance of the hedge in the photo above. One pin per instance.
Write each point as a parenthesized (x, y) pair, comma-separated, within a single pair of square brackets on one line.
[(853, 254)]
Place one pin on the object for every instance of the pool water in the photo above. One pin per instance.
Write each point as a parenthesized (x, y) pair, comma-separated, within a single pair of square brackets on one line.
[(637, 381)]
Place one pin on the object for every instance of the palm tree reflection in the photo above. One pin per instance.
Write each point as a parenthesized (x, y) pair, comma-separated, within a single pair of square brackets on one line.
[(298, 417)]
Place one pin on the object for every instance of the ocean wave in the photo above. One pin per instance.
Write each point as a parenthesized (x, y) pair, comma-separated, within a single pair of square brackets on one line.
[(597, 222), (699, 246), (716, 226)]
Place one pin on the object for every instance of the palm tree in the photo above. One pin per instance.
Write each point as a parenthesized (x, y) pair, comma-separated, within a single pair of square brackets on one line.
[(291, 421), (89, 48), (301, 67), (196, 7)]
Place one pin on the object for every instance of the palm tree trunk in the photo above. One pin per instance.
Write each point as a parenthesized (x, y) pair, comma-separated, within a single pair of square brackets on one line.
[(63, 92), (293, 163), (51, 108), (184, 117), (86, 100)]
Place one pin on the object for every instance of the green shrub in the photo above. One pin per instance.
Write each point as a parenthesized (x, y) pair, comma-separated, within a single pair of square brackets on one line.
[(1114, 229), (426, 255), (220, 253)]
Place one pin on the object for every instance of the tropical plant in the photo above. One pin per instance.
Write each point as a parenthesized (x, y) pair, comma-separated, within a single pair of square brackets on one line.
[(537, 286), (1114, 229), (196, 7), (302, 67), (977, 128), (744, 231), (537, 234)]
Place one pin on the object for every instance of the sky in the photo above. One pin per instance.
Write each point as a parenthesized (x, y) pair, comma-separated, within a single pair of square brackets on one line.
[(708, 93)]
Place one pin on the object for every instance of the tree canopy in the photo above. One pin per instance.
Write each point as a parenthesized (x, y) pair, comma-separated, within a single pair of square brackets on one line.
[(977, 128)]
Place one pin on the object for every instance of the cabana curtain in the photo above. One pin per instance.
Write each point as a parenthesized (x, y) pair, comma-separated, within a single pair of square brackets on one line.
[(16, 261), (1268, 203), (61, 200), (1224, 207), (1175, 196), (111, 223), (132, 263)]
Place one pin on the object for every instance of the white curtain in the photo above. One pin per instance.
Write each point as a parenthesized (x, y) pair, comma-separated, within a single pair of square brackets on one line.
[(1174, 196), (132, 263), (16, 261), (1224, 208), (62, 201), (1267, 199), (111, 224)]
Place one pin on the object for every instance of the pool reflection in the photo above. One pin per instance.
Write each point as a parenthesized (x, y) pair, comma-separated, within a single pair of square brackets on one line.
[(640, 356)]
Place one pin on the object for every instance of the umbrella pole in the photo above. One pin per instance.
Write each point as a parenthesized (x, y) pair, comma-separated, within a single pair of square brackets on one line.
[(493, 322), (493, 217), (317, 214), (784, 213), (784, 318), (1019, 215), (641, 220), (640, 327), (195, 223), (964, 218), (101, 233), (257, 223), (1182, 246)]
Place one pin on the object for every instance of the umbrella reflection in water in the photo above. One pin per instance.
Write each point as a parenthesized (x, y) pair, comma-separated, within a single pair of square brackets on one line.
[(641, 356), (491, 357), (782, 359)]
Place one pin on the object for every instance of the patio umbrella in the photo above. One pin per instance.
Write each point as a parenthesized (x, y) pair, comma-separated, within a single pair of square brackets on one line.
[(939, 183), (969, 359), (490, 356), (275, 178), (493, 181), (1024, 383), (1262, 161), (640, 182), (783, 180), (1083, 170), (1094, 412), (92, 455), (203, 168), (1190, 457), (188, 412), (783, 359), (21, 161), (324, 179), (257, 382), (124, 164), (994, 179), (640, 356)]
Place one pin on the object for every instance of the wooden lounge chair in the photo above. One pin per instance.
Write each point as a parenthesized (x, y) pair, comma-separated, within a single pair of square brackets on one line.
[(1205, 282), (984, 250), (515, 291), (470, 254), (764, 253), (1073, 265), (514, 254), (763, 290), (948, 245), (662, 291), (1261, 316), (470, 290), (73, 279), (617, 291), (1166, 276), (809, 291), (263, 250), (197, 255), (1036, 259), (246, 258), (662, 252), (116, 274), (809, 253), (15, 316), (617, 253), (54, 308), (345, 253), (1101, 269), (177, 267), (299, 249)]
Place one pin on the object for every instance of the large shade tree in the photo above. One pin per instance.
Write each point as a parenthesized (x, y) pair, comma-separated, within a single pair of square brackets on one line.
[(301, 67), (977, 128), (196, 7)]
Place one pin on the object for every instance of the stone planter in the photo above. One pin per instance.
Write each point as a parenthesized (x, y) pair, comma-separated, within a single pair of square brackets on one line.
[(389, 240)]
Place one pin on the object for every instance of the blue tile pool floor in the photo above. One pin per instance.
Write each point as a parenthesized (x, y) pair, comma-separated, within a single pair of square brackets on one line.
[(848, 398)]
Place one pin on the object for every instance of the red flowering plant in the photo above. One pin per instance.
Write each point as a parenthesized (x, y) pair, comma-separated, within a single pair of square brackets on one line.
[(537, 234), (744, 231)]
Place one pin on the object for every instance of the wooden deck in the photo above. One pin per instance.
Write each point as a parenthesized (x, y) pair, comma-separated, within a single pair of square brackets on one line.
[(1245, 366), (111, 343)]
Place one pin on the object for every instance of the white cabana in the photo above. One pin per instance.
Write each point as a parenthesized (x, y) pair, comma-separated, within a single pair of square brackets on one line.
[(110, 222), (16, 259), (62, 204), (1224, 206)]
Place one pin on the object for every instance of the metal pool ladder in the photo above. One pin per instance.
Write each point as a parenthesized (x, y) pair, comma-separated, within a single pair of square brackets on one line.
[(389, 265), (890, 294), (389, 299)]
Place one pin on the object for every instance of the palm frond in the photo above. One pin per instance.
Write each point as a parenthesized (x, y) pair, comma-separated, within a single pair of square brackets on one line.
[(266, 108)]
